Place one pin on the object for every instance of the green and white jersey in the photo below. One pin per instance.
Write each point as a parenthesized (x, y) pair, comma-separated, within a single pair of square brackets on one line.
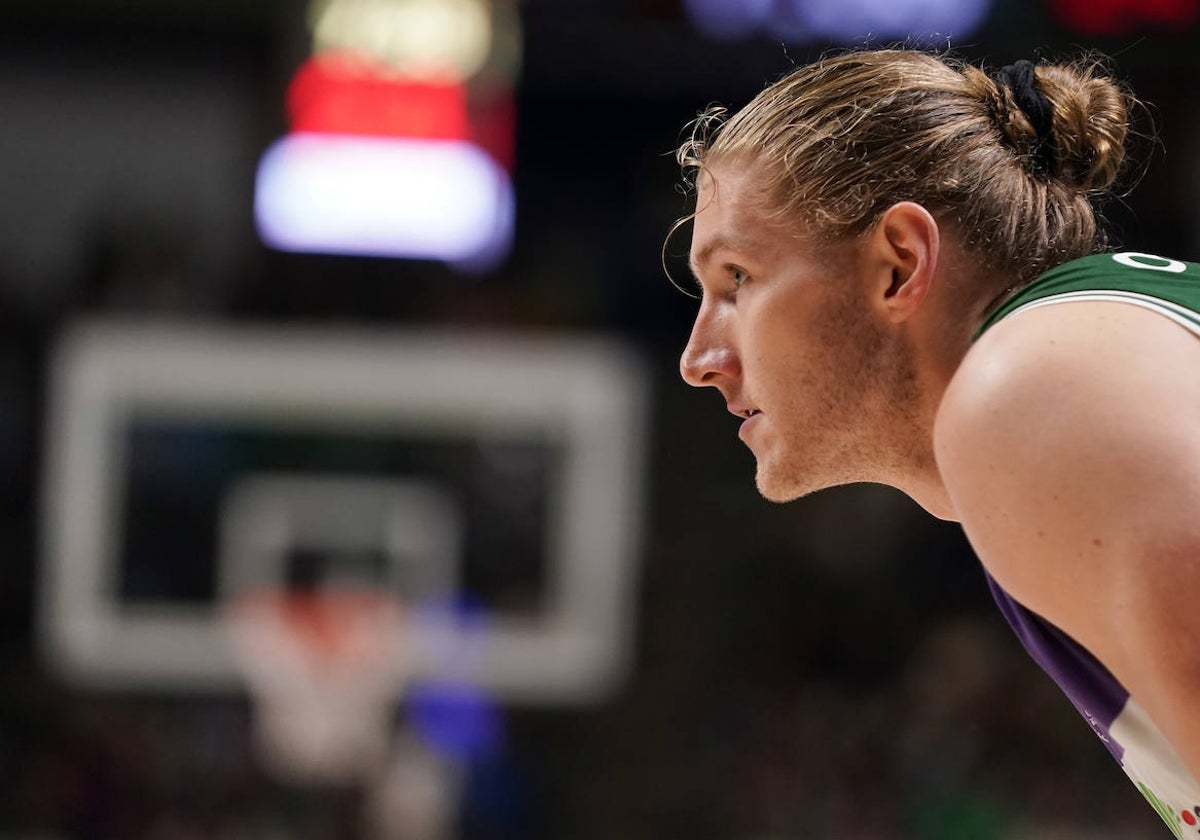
[(1169, 287), (1172, 289)]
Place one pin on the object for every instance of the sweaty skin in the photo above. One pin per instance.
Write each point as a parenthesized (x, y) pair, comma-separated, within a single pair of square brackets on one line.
[(1069, 443), (1066, 441)]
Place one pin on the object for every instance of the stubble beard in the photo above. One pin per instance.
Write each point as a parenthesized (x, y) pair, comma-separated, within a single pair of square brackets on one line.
[(855, 416)]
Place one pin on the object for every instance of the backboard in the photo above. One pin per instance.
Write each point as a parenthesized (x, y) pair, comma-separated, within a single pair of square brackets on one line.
[(493, 482)]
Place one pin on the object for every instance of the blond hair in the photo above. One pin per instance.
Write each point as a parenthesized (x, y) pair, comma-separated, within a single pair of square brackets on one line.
[(839, 141)]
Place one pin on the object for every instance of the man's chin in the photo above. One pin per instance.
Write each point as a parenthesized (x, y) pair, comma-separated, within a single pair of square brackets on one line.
[(787, 485), (773, 489)]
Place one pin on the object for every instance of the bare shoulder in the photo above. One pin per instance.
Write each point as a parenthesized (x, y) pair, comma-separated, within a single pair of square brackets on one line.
[(1069, 442)]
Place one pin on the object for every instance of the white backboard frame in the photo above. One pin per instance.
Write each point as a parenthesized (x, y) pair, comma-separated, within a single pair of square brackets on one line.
[(586, 395)]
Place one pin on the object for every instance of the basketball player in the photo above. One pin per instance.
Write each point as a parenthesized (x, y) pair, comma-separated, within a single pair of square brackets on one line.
[(903, 281)]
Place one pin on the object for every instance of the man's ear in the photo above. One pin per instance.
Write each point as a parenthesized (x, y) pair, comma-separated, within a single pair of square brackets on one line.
[(903, 251)]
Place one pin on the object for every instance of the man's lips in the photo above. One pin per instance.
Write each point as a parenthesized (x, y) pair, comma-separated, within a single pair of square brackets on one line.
[(748, 415)]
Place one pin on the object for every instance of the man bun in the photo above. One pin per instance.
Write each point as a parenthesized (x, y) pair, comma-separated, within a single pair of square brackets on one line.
[(1091, 115), (1082, 144)]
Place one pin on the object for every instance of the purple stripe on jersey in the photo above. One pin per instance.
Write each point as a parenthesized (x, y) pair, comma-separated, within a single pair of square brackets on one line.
[(1090, 687)]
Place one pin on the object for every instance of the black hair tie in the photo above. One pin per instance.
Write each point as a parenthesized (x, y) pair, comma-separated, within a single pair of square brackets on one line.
[(1019, 78)]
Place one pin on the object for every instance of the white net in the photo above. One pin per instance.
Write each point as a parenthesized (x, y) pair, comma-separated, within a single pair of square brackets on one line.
[(325, 670)]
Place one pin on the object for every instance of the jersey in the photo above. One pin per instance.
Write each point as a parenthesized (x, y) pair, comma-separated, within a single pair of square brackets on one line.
[(1171, 288)]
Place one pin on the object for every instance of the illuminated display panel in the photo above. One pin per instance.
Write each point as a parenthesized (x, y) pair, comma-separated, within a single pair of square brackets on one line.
[(393, 152), (337, 96), (844, 21), (390, 197), (443, 40)]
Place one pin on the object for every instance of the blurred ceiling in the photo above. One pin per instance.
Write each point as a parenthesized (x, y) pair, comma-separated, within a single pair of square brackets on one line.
[(609, 45)]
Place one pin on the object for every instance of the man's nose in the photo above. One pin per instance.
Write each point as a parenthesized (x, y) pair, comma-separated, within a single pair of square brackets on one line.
[(709, 356)]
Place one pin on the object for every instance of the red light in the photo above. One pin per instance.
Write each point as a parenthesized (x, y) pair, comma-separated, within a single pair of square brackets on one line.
[(341, 94), (1117, 17), (492, 125)]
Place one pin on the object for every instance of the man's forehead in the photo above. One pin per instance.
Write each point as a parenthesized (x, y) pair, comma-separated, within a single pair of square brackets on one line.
[(732, 193), (724, 220), (724, 180)]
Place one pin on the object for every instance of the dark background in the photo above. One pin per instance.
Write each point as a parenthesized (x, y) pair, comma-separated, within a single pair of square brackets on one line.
[(826, 669)]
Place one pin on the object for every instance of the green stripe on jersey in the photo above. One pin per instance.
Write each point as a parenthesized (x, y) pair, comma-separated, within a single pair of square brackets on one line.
[(1168, 286)]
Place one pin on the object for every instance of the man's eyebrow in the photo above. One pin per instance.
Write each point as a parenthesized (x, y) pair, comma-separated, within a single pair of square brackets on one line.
[(697, 260)]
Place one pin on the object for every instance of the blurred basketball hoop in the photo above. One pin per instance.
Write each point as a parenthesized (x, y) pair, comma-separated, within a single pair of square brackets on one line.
[(500, 468), (338, 521), (325, 669)]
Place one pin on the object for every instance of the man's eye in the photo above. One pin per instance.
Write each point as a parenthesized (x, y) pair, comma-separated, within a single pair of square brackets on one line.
[(739, 277)]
